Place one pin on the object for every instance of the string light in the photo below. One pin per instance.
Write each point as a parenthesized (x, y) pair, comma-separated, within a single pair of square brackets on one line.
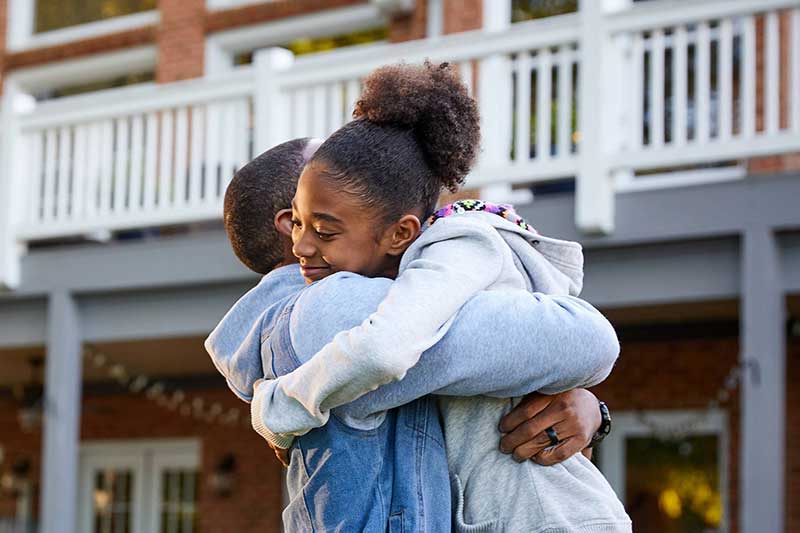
[(159, 392)]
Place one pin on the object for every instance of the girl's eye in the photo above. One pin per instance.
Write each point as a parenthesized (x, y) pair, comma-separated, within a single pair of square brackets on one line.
[(325, 236), (295, 223)]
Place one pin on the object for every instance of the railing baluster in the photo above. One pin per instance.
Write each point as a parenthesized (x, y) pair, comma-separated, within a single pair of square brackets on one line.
[(36, 179), (637, 116), (120, 164), (335, 107), (241, 134), (166, 154), (211, 191), (106, 166), (794, 71), (466, 71), (353, 93), (48, 201), (748, 77), (679, 85), (656, 121), (78, 197), (563, 145), (772, 87), (544, 86), (196, 189), (228, 152), (93, 169), (150, 161), (300, 128), (64, 156), (725, 79), (135, 181), (522, 150), (181, 142), (318, 111), (702, 83)]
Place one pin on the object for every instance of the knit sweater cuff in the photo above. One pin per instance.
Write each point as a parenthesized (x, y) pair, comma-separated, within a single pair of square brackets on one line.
[(257, 420)]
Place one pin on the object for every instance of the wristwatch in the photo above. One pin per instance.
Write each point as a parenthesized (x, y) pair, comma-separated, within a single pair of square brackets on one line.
[(605, 425)]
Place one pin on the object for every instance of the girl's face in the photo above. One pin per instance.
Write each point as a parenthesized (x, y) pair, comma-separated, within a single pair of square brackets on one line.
[(332, 232)]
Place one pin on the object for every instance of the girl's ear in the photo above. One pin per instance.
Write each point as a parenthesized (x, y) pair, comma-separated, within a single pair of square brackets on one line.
[(283, 222), (402, 234)]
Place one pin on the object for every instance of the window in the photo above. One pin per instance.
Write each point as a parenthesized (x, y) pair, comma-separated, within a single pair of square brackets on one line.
[(669, 484), (310, 45), (56, 14), (534, 9), (136, 487)]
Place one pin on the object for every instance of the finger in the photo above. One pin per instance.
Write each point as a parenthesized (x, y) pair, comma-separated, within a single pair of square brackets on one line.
[(559, 453), (529, 407), (531, 430), (541, 441)]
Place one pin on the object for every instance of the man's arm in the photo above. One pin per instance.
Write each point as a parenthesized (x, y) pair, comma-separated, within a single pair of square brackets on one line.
[(501, 343)]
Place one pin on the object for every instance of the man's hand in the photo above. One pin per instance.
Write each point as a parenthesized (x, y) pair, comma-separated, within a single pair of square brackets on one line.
[(574, 415)]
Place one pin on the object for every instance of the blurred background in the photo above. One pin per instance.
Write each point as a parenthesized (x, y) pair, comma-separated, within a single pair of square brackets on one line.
[(664, 135)]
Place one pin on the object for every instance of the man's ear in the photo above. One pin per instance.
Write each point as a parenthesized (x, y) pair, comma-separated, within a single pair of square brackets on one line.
[(283, 222), (402, 233)]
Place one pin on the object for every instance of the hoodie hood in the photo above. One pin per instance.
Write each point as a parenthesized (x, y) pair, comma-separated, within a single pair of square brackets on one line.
[(551, 266)]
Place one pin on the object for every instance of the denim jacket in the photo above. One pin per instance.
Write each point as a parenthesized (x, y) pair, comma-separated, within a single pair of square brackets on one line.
[(389, 478)]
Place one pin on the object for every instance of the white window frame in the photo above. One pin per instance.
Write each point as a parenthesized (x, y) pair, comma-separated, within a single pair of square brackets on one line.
[(222, 46), (629, 424), (147, 459), (216, 5), (21, 13)]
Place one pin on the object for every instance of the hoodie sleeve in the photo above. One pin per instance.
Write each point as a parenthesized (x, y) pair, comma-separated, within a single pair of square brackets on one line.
[(235, 344), (440, 273)]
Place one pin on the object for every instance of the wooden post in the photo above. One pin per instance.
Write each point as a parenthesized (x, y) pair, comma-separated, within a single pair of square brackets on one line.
[(599, 115), (763, 354), (271, 107), (62, 407)]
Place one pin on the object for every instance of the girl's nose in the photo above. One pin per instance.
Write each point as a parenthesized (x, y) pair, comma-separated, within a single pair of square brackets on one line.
[(302, 247)]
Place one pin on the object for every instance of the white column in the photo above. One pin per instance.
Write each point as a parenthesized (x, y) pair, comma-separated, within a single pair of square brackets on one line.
[(13, 197), (598, 115), (271, 106), (61, 416), (763, 350)]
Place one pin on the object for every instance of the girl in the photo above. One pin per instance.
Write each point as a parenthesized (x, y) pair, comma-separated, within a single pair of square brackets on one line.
[(358, 208)]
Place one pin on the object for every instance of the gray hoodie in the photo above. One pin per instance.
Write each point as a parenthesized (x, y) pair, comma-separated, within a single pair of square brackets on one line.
[(452, 261)]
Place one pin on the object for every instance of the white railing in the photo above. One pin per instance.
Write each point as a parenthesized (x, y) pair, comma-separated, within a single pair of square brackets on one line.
[(601, 96), (157, 156)]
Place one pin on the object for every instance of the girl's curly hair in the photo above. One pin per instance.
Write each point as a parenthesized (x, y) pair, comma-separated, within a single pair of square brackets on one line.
[(417, 131)]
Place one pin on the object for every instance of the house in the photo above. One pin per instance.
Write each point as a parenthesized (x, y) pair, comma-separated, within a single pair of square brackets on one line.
[(663, 134)]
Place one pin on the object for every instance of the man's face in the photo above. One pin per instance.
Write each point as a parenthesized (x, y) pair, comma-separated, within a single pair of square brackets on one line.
[(333, 231)]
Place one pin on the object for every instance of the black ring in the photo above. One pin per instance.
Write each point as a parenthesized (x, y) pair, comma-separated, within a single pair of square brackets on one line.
[(551, 434)]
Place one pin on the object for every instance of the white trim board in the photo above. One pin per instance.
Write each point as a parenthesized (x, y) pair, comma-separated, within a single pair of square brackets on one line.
[(86, 69), (21, 36), (222, 46)]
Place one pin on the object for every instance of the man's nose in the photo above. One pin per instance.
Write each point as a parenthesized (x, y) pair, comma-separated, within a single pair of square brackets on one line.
[(303, 246)]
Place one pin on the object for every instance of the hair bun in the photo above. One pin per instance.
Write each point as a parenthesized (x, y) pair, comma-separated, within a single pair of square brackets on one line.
[(434, 102)]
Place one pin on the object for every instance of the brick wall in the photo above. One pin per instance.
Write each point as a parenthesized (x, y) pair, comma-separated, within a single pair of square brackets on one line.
[(181, 40)]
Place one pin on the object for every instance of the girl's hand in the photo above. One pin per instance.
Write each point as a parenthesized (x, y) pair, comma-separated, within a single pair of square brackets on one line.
[(574, 415)]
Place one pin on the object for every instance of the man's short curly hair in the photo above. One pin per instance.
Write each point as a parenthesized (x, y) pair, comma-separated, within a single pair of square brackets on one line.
[(257, 192)]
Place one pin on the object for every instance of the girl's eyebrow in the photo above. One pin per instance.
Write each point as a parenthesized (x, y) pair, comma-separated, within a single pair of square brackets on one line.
[(326, 217)]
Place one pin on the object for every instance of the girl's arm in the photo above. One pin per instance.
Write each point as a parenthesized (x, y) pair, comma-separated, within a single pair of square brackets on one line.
[(448, 265)]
